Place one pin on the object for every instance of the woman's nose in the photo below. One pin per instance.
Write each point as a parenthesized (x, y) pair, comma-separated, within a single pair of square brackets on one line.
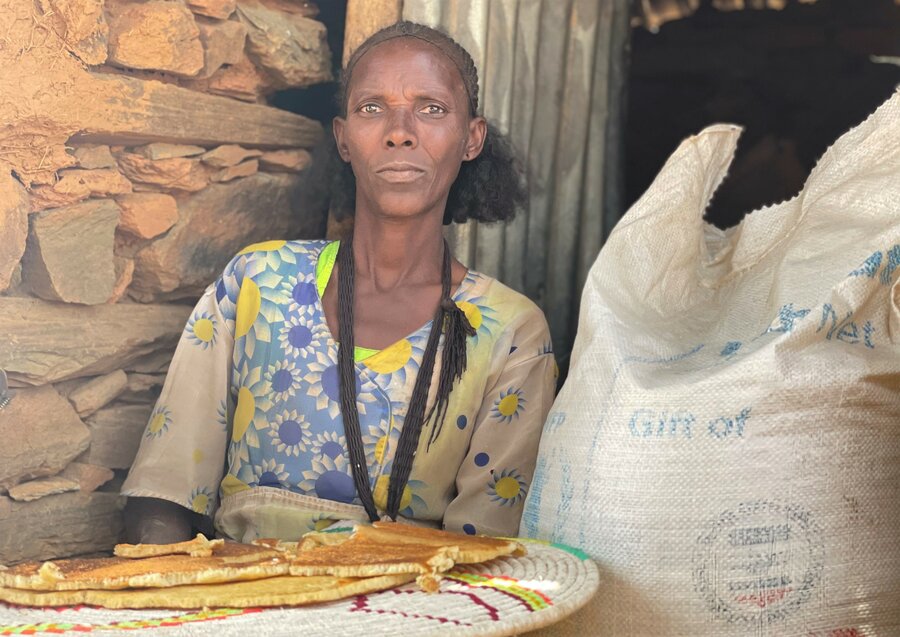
[(400, 130)]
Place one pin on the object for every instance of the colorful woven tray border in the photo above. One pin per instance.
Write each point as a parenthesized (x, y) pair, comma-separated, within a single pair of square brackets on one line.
[(175, 620), (536, 608)]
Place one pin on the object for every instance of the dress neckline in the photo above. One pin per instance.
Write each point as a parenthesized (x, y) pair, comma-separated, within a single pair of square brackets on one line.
[(330, 255)]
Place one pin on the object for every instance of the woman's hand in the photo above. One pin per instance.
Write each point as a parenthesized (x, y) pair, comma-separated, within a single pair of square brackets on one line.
[(155, 521)]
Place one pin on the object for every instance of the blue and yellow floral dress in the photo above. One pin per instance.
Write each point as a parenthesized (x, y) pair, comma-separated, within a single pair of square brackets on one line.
[(248, 426)]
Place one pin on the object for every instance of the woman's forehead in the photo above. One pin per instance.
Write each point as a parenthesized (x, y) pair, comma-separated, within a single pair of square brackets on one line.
[(406, 60)]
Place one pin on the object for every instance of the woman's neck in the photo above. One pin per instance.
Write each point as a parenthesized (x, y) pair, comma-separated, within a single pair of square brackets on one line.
[(391, 252)]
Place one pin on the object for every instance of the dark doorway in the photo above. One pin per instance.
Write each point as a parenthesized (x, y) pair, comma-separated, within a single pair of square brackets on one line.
[(795, 79), (318, 101)]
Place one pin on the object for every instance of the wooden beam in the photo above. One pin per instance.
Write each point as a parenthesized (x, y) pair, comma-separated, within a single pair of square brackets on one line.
[(425, 12), (125, 110), (365, 17)]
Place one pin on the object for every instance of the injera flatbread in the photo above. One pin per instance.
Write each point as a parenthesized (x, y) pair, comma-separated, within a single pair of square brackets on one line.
[(367, 559), (231, 562), (473, 549), (391, 545), (198, 547), (277, 545), (395, 548), (274, 591)]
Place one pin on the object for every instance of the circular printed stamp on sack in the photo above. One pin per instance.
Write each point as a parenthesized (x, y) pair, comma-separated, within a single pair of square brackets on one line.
[(759, 563)]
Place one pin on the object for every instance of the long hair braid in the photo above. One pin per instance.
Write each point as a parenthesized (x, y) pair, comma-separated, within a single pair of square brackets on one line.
[(450, 320)]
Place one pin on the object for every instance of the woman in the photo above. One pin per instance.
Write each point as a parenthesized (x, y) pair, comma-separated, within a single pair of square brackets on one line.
[(435, 417)]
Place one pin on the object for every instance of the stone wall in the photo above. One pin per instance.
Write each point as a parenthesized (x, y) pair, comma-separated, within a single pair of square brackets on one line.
[(137, 155)]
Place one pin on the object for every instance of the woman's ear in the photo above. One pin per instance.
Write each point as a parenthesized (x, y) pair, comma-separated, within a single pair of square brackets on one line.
[(475, 139), (337, 128)]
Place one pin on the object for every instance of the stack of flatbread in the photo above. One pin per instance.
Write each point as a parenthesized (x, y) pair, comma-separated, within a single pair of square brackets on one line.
[(391, 548), (323, 566)]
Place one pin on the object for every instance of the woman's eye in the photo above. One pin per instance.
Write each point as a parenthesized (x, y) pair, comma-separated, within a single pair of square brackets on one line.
[(434, 109)]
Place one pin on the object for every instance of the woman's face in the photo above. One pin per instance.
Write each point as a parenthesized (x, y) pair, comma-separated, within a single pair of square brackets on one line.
[(407, 129)]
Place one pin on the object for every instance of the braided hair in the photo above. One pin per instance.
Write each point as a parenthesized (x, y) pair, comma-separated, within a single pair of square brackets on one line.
[(490, 187), (487, 188)]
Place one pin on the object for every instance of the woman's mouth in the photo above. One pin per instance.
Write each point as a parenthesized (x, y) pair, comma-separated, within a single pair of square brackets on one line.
[(400, 172)]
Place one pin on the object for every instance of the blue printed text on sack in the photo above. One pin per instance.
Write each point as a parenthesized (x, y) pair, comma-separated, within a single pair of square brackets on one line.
[(650, 423)]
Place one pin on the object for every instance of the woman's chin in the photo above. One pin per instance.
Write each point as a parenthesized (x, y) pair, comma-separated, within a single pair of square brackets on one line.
[(403, 207)]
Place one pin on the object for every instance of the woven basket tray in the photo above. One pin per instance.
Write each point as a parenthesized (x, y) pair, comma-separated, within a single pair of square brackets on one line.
[(507, 596)]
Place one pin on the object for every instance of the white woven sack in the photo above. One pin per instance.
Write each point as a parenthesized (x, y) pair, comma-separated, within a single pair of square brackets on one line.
[(727, 444)]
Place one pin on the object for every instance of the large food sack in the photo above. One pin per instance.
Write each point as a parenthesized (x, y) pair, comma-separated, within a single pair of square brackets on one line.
[(727, 444)]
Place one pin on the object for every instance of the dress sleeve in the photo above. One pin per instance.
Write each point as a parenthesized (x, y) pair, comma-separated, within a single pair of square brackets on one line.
[(182, 453), (496, 473)]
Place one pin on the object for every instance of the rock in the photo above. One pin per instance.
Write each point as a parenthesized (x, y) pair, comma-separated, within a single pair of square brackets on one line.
[(75, 104), (98, 392), (41, 434), (36, 489), (289, 47), (162, 150), (212, 226), (15, 284), (159, 36), (304, 8), (14, 208), (49, 342), (139, 187), (115, 8), (70, 253), (220, 9), (143, 389), (93, 156), (228, 155), (77, 185), (84, 27), (143, 382), (128, 245), (234, 172), (116, 433), (88, 477), (290, 161), (243, 81), (102, 182), (66, 387), (115, 485), (147, 215), (153, 363), (69, 256), (177, 173), (223, 43), (59, 526), (124, 275)]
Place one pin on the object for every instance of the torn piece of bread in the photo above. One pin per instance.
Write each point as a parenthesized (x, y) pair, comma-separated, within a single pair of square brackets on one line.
[(289, 548), (472, 549), (198, 547)]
